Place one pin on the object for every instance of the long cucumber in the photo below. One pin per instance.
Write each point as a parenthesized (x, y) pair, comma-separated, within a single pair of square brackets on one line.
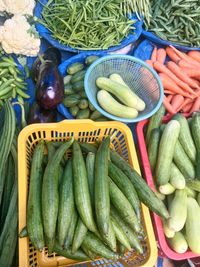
[(34, 213), (195, 127), (145, 194), (50, 195), (66, 203), (153, 146), (110, 238), (81, 188), (102, 199), (90, 164), (79, 235), (71, 230)]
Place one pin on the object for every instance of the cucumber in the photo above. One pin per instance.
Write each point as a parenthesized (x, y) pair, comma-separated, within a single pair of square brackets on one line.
[(102, 199), (50, 194), (68, 90), (79, 235), (67, 253), (198, 199), (121, 203), (166, 189), (71, 100), (70, 234), (89, 253), (132, 237), (177, 180), (78, 76), (50, 150), (153, 147), (121, 249), (81, 188), (145, 194), (190, 192), (90, 59), (83, 94), (183, 162), (155, 122), (194, 185), (95, 115), (83, 104), (23, 233), (93, 243), (192, 226), (92, 108), (90, 163), (120, 235), (66, 203), (83, 114), (178, 243), (197, 167), (34, 210), (74, 110), (167, 231), (195, 126), (178, 211), (125, 185), (160, 195), (78, 86), (166, 151), (67, 79), (88, 147), (110, 238), (185, 137), (102, 119), (74, 68)]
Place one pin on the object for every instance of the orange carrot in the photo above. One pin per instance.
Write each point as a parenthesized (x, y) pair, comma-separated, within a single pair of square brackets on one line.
[(169, 98), (162, 68), (150, 63), (177, 101), (161, 55), (193, 73), (154, 54), (196, 105), (180, 74), (187, 107), (168, 106), (185, 102), (168, 92), (172, 55), (184, 64), (170, 85), (195, 55)]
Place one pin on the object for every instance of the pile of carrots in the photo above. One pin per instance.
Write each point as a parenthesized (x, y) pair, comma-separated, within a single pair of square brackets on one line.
[(180, 77)]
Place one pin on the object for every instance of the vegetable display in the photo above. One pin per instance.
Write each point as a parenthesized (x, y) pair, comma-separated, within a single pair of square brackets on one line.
[(179, 184)]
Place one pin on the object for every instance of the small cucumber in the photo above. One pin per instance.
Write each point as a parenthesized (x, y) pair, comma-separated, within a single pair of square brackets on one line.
[(78, 76), (78, 86), (67, 79), (71, 100), (167, 231), (153, 147), (83, 114), (197, 167), (177, 179), (90, 59), (195, 126), (159, 195), (194, 185), (198, 198), (190, 192), (95, 115), (74, 68), (178, 243), (83, 104), (68, 90), (74, 110), (92, 108), (71, 230), (79, 235), (166, 189)]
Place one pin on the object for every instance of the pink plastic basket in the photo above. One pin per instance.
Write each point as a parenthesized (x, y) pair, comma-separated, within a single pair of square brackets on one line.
[(165, 250)]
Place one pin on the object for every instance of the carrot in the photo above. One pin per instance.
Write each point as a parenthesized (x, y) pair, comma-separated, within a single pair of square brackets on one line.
[(180, 74), (154, 54), (196, 105), (192, 73), (185, 102), (168, 106), (150, 63), (184, 64), (195, 55), (162, 68), (161, 55), (167, 92), (172, 55), (169, 98), (187, 107), (185, 57), (177, 101)]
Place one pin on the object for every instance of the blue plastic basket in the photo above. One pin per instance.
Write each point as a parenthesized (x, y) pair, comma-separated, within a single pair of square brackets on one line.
[(63, 70), (46, 34), (142, 79)]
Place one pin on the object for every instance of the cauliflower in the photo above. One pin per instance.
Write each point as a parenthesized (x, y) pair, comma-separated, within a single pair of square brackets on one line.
[(15, 37), (22, 7)]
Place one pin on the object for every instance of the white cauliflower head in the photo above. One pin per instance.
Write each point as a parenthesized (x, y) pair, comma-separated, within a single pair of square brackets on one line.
[(22, 7), (2, 6), (16, 39)]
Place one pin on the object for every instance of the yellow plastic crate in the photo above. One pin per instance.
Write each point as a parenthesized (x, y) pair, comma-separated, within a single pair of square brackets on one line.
[(83, 131)]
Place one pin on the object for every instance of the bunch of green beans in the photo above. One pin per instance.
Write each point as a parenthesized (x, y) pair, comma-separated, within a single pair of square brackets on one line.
[(12, 83), (141, 8), (176, 21), (87, 24)]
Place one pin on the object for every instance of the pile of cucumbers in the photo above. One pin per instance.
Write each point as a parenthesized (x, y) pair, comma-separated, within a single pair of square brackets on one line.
[(174, 155), (75, 98), (84, 201)]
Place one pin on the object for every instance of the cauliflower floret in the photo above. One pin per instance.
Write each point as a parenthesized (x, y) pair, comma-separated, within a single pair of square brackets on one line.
[(16, 39), (22, 7), (2, 6)]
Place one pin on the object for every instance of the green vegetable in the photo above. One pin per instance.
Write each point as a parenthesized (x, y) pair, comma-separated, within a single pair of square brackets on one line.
[(166, 189), (195, 126), (83, 104), (74, 110), (190, 192), (83, 114), (92, 108), (110, 238), (68, 90), (90, 164), (178, 243), (90, 59), (197, 167), (153, 147), (79, 235), (194, 185), (67, 80), (177, 180), (23, 233), (74, 68), (78, 76), (198, 199), (71, 100), (78, 86), (71, 231), (95, 115), (167, 231)]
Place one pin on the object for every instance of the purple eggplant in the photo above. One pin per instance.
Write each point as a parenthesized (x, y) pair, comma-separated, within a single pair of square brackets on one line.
[(50, 86), (38, 115)]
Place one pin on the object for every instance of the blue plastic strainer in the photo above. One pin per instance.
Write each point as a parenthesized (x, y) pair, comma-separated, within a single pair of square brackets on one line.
[(141, 78)]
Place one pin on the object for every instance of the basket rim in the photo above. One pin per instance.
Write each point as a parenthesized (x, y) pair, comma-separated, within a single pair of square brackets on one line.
[(134, 59)]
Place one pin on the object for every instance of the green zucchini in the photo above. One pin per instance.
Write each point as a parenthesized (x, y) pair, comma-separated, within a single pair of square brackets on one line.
[(195, 126), (90, 164), (74, 68), (178, 243), (121, 203), (90, 59), (102, 199), (194, 185), (167, 231), (34, 210), (79, 235), (166, 189), (125, 185), (183, 162), (93, 243), (185, 137), (177, 179), (70, 234), (145, 194), (81, 188), (155, 122), (66, 203), (50, 194), (192, 226), (83, 104), (166, 151), (178, 211), (78, 76), (153, 147), (83, 114)]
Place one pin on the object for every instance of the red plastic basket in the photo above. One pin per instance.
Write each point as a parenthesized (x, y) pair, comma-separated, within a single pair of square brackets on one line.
[(165, 250)]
